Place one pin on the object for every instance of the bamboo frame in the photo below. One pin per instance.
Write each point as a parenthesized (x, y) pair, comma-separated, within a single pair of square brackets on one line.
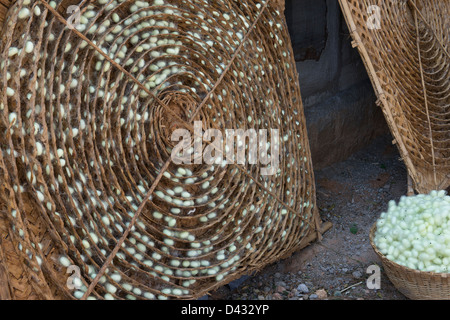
[(407, 60)]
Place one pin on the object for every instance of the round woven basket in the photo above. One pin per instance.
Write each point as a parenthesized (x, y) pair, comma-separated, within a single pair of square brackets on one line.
[(92, 204), (414, 284)]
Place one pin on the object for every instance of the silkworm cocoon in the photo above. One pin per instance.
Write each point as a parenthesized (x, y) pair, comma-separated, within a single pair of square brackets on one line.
[(192, 253), (60, 153), (212, 215), (178, 190), (106, 221), (109, 296), (24, 13), (65, 262), (205, 263), (137, 291), (138, 256), (185, 194), (169, 242), (86, 244), (220, 257), (9, 92), (160, 194), (205, 185), (127, 286), (212, 272), (29, 47), (74, 83), (141, 247), (172, 222), (149, 295), (175, 263), (156, 256), (40, 196), (166, 291), (68, 47), (188, 203), (157, 215), (94, 237), (115, 17), (184, 235), (148, 263), (12, 118)]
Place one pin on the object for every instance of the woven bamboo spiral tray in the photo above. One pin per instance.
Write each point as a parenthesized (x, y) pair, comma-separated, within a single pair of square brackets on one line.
[(414, 284), (88, 184), (405, 47)]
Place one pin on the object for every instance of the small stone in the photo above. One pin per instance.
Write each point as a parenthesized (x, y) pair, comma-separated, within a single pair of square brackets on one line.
[(337, 293), (302, 288), (277, 296), (281, 283), (313, 296), (357, 274), (277, 275), (321, 294), (293, 293), (260, 297), (281, 289)]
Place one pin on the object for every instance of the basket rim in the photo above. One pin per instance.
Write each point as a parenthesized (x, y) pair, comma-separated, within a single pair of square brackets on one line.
[(399, 266)]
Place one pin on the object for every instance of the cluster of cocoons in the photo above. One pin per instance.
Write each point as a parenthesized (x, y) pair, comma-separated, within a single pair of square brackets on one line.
[(90, 135), (415, 233)]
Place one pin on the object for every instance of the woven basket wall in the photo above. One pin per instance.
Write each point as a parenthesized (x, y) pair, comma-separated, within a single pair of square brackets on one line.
[(87, 180), (405, 46)]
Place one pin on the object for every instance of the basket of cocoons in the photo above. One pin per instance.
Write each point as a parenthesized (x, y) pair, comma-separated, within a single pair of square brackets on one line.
[(413, 241), (405, 46), (98, 199)]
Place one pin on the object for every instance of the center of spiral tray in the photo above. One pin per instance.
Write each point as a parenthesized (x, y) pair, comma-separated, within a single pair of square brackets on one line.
[(177, 112)]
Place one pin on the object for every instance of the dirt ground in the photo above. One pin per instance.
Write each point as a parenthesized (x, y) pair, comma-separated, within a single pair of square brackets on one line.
[(350, 194)]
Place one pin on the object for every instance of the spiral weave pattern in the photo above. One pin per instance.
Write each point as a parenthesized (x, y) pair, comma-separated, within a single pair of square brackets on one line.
[(91, 95)]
